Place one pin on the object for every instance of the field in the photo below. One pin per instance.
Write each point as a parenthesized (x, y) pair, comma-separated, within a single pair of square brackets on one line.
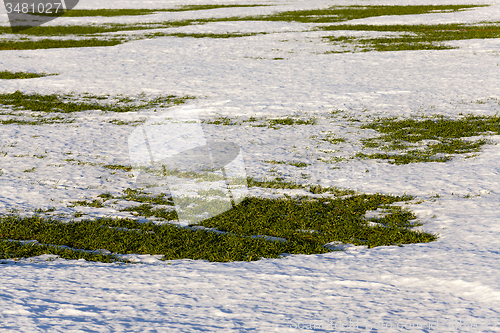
[(369, 137)]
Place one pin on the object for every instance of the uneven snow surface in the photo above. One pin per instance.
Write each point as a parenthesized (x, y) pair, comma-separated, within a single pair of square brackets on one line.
[(444, 286)]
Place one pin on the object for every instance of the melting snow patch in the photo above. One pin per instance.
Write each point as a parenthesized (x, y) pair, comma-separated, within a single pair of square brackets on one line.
[(339, 246), (143, 258)]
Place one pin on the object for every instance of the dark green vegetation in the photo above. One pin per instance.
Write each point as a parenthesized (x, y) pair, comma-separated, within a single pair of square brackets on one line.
[(68, 103), (7, 75), (130, 12), (256, 228), (55, 44), (127, 236), (414, 37), (220, 120), (204, 35), (118, 167), (340, 14), (93, 31), (275, 123), (38, 120), (332, 138), (328, 15), (279, 183), (15, 249), (110, 41), (89, 30), (309, 224), (298, 164), (446, 135), (288, 121)]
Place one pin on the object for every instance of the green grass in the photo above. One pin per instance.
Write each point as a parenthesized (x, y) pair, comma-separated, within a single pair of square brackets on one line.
[(447, 135), (205, 7), (129, 195), (17, 249), (118, 236), (129, 123), (89, 30), (332, 138), (288, 121), (301, 225), (161, 171), (148, 210), (48, 103), (38, 121), (134, 12), (297, 164), (340, 14), (415, 37), (54, 43), (274, 123), (203, 35), (279, 183), (118, 167), (8, 75), (101, 41), (337, 219), (220, 120), (68, 103)]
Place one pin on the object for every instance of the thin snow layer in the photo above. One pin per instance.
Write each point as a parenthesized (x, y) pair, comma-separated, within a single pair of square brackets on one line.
[(448, 285)]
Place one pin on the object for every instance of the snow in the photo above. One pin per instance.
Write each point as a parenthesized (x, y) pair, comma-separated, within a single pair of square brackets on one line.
[(447, 285)]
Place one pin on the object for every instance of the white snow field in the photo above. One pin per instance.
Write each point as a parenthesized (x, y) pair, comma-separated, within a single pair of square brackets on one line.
[(452, 284)]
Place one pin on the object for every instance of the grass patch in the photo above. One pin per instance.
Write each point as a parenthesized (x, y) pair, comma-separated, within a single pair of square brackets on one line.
[(39, 121), (220, 120), (100, 42), (256, 228), (148, 210), (204, 35), (120, 122), (332, 138), (162, 171), (96, 203), (118, 167), (68, 103), (275, 123), (134, 12), (345, 13), (444, 135), (206, 7), (415, 37), (279, 183), (129, 195), (20, 249), (86, 30), (139, 196), (7, 75), (339, 219), (288, 121), (297, 164), (55, 43), (130, 237)]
